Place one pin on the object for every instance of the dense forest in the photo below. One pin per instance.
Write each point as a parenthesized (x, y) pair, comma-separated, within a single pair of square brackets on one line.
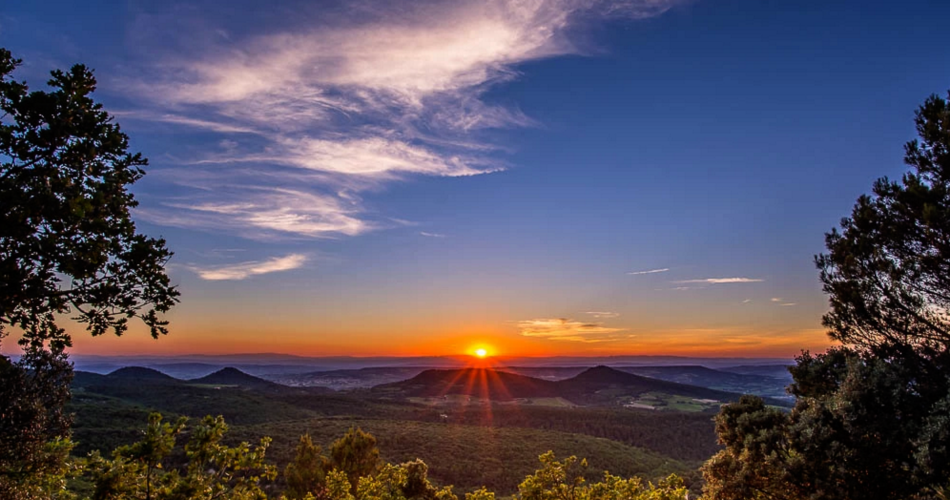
[(491, 445)]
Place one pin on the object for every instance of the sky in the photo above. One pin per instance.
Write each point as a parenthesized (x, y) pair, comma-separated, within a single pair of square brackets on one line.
[(538, 177)]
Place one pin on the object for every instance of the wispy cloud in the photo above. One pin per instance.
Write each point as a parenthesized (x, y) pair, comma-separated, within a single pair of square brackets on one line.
[(720, 281), (603, 314), (263, 212), (651, 271), (782, 302), (431, 235), (746, 301), (569, 330), (378, 96), (245, 270), (214, 126)]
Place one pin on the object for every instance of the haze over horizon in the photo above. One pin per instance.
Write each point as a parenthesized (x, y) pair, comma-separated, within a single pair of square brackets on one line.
[(550, 178)]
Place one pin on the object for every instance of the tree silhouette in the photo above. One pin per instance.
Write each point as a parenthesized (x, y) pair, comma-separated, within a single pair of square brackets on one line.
[(887, 272), (872, 417), (67, 246)]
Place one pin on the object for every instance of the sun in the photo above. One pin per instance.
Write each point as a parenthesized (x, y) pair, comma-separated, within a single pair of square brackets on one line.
[(481, 353)]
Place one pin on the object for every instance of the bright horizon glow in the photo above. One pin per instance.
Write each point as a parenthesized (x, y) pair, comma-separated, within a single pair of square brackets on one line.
[(481, 353)]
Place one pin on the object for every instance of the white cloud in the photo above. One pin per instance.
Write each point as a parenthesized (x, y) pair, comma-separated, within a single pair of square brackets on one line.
[(431, 235), (775, 299), (720, 281), (569, 330), (651, 271), (603, 314), (247, 269), (267, 212), (390, 93), (369, 156), (214, 126), (746, 301)]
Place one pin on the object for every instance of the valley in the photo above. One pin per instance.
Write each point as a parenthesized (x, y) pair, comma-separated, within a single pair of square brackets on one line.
[(473, 426)]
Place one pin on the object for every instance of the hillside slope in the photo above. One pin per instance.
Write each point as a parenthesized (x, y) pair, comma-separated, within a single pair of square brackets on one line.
[(595, 386), (482, 383)]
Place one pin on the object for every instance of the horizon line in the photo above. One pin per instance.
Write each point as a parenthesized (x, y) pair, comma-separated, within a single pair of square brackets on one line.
[(436, 356)]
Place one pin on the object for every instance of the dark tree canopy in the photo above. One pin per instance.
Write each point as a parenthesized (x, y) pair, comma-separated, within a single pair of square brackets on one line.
[(872, 417), (308, 472), (67, 246), (355, 454), (887, 272), (67, 241)]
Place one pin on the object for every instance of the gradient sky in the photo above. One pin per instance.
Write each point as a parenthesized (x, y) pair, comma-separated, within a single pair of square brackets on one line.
[(539, 177)]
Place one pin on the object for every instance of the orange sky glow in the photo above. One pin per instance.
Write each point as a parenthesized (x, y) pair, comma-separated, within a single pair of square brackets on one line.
[(700, 342)]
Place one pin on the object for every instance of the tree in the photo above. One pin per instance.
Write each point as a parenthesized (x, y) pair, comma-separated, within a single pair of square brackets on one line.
[(754, 463), (564, 480), (34, 427), (67, 240), (308, 472), (311, 475), (872, 417), (887, 273), (213, 469), (855, 428), (67, 246), (356, 455)]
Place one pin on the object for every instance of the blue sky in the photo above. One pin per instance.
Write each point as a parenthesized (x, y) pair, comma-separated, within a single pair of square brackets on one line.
[(419, 178)]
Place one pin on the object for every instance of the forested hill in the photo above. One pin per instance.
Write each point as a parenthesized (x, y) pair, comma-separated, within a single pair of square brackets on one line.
[(137, 374), (483, 383), (600, 383), (595, 386), (234, 377)]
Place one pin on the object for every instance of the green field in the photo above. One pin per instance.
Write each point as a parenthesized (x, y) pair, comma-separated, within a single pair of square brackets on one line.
[(661, 401)]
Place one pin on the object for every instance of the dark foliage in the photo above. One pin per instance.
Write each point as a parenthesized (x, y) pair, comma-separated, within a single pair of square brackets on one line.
[(685, 436), (67, 241), (67, 245), (887, 273), (356, 455), (871, 417), (33, 424)]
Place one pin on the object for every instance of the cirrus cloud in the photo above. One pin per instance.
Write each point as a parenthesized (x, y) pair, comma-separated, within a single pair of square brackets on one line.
[(378, 96), (721, 281), (603, 314), (651, 271), (245, 270), (569, 330), (264, 213)]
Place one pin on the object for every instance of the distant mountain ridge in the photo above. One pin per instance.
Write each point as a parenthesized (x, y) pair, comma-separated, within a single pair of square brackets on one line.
[(188, 365), (133, 376)]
